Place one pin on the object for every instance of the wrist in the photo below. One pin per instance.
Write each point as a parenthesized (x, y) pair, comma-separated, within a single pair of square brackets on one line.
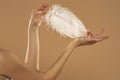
[(33, 28), (72, 46)]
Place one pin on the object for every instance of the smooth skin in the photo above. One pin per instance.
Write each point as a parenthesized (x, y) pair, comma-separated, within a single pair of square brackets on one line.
[(11, 66)]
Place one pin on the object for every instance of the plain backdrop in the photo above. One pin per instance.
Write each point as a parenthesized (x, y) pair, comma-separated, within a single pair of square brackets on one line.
[(97, 62)]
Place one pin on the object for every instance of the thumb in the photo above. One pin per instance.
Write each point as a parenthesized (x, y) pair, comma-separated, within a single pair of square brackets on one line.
[(40, 20)]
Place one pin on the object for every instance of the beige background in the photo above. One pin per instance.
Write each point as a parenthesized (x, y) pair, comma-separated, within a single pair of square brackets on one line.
[(98, 62)]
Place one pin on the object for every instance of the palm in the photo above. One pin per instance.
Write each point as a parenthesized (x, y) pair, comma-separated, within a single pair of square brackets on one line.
[(90, 39)]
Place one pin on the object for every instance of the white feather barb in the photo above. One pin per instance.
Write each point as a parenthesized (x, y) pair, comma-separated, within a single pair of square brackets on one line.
[(65, 22)]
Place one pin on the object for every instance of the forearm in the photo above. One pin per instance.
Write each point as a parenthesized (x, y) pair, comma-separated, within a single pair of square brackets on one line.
[(32, 53), (56, 69)]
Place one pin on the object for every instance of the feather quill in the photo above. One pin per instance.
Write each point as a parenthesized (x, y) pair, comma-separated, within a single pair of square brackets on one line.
[(65, 22)]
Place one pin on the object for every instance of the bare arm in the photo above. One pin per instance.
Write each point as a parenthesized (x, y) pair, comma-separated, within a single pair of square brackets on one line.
[(56, 69), (32, 54), (10, 64)]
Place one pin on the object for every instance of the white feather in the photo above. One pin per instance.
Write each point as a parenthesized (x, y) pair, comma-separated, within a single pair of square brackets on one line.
[(65, 22)]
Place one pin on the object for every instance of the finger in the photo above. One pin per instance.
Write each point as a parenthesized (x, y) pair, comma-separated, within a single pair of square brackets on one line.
[(39, 12), (102, 38), (36, 13), (101, 31), (43, 7), (91, 42), (89, 34), (40, 21)]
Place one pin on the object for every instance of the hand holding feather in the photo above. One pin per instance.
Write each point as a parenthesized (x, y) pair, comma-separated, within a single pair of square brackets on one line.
[(37, 16), (89, 40)]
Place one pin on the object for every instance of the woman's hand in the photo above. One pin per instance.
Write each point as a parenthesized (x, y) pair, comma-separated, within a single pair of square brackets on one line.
[(37, 16), (89, 40)]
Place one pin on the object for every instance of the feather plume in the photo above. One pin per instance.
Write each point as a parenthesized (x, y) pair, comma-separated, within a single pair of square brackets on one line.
[(65, 22)]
